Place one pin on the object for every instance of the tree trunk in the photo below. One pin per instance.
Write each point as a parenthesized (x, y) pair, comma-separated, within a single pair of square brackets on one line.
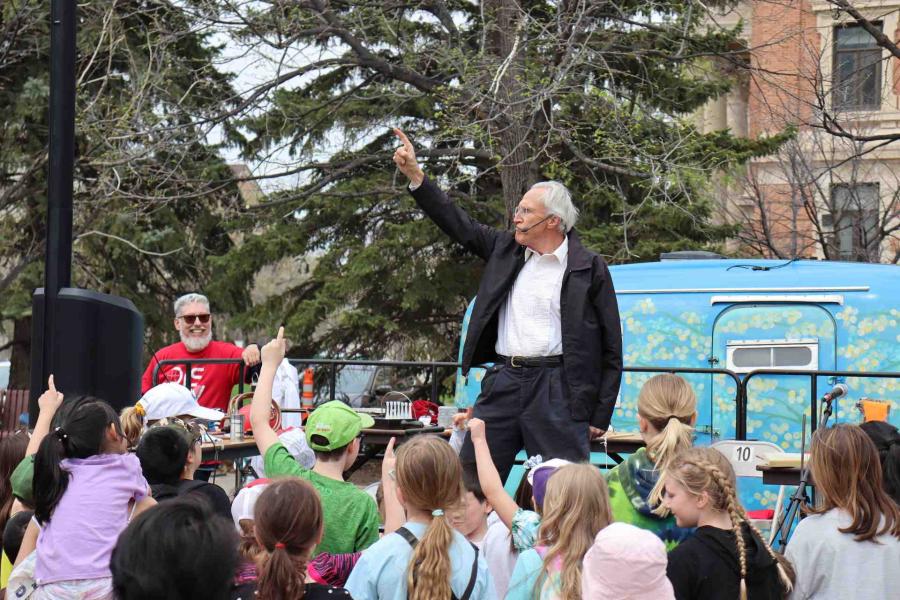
[(507, 123), (20, 358)]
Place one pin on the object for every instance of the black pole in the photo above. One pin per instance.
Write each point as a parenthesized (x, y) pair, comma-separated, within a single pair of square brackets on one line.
[(58, 260)]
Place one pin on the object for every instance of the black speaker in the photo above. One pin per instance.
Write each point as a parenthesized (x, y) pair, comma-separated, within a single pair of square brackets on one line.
[(97, 352)]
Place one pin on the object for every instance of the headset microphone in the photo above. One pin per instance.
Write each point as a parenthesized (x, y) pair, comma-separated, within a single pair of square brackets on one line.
[(527, 229)]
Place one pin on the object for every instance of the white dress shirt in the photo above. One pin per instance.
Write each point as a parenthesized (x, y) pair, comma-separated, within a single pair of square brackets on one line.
[(529, 323)]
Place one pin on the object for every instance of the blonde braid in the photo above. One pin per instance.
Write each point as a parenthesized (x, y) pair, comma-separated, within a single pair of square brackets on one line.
[(735, 513)]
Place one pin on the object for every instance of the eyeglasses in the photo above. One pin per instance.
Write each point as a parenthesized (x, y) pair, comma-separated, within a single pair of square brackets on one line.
[(523, 211), (191, 319)]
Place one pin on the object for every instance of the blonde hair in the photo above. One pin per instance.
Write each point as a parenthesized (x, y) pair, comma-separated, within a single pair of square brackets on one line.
[(576, 508), (429, 476), (844, 464), (668, 402), (705, 470), (132, 424)]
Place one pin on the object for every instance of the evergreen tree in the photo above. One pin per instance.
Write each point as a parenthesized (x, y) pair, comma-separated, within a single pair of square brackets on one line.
[(150, 193), (496, 95)]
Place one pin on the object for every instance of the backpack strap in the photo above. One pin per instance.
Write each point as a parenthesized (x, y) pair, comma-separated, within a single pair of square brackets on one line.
[(412, 540), (472, 577), (407, 535)]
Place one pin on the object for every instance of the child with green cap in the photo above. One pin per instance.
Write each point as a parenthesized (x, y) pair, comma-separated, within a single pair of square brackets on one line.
[(332, 431)]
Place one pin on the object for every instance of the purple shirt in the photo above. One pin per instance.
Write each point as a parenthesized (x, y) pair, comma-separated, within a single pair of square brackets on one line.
[(77, 541)]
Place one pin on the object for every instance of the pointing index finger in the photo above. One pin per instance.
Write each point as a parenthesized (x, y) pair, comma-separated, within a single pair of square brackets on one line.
[(50, 385), (280, 333), (405, 140)]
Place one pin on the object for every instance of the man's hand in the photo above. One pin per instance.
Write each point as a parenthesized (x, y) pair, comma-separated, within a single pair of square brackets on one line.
[(251, 355), (476, 430), (50, 400), (596, 433), (273, 352), (459, 420), (405, 159)]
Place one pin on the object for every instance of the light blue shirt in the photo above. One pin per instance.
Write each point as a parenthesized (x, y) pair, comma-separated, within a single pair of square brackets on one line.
[(525, 576), (380, 573)]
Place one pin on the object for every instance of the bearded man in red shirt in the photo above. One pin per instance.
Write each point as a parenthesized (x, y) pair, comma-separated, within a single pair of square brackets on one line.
[(211, 384)]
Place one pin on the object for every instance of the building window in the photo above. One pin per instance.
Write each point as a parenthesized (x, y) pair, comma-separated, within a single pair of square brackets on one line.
[(857, 69), (743, 356), (854, 222)]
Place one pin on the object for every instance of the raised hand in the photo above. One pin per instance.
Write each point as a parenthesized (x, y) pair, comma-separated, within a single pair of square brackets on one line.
[(50, 400), (405, 159), (389, 462), (476, 430), (273, 352)]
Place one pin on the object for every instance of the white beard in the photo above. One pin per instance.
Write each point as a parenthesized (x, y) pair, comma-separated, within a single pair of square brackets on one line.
[(195, 344)]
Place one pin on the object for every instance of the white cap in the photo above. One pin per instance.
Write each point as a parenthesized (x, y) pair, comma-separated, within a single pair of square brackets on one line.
[(556, 463), (244, 503), (171, 400)]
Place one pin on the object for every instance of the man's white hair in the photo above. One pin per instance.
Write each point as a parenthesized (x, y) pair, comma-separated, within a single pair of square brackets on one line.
[(558, 201), (188, 299)]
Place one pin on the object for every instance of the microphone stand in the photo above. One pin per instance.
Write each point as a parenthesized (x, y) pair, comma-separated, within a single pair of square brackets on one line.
[(799, 496)]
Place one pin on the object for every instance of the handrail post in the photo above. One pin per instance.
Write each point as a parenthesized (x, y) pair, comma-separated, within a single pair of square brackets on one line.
[(332, 382), (434, 384)]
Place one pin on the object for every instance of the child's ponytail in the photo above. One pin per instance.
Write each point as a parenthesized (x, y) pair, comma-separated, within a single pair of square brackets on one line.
[(49, 481), (429, 476), (78, 432), (282, 576), (668, 402), (429, 574), (132, 419), (288, 523)]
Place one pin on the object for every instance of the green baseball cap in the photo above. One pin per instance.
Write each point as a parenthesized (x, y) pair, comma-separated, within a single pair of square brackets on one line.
[(334, 425), (22, 481)]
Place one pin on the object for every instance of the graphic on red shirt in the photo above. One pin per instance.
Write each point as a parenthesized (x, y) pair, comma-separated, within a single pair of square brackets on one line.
[(211, 384)]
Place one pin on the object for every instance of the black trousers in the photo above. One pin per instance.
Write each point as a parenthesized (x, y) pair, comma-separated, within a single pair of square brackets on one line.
[(526, 407)]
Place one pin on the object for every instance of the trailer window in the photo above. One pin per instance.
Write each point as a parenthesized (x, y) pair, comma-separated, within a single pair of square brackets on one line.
[(745, 356)]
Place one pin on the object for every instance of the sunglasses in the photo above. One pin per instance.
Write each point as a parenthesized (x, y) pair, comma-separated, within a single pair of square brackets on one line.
[(194, 428), (191, 319)]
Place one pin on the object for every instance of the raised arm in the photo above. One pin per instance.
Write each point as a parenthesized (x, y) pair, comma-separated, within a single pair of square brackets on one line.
[(394, 514), (488, 477), (48, 404), (261, 405), (454, 221)]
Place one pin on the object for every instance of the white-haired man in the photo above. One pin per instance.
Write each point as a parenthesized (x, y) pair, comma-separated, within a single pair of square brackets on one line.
[(211, 384), (545, 314)]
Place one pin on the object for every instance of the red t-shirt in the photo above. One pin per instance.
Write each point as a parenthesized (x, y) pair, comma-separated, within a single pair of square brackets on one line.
[(211, 384)]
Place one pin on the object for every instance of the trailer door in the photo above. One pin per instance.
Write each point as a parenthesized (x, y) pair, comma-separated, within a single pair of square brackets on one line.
[(783, 336)]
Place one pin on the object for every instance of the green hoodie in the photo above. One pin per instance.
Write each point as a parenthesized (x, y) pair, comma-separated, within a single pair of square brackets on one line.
[(630, 484)]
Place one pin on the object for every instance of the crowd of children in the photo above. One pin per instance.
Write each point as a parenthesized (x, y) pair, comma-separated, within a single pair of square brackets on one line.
[(84, 517)]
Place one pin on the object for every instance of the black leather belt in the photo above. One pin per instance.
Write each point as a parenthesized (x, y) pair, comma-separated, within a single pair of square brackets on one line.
[(532, 361)]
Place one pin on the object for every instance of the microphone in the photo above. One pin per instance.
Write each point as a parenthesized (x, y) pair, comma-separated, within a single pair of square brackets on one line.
[(527, 229), (837, 391)]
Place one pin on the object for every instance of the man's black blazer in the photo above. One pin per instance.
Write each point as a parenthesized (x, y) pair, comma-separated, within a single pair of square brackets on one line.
[(591, 333)]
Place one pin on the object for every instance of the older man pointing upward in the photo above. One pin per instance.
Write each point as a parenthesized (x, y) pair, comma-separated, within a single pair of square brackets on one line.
[(545, 314)]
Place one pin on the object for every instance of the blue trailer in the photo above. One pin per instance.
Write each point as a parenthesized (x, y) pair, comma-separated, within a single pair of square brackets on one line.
[(746, 315)]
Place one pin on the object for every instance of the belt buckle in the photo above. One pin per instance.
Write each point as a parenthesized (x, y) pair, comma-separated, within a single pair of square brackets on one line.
[(512, 362)]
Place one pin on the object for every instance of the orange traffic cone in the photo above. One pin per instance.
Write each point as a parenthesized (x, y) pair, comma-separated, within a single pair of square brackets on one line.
[(307, 397)]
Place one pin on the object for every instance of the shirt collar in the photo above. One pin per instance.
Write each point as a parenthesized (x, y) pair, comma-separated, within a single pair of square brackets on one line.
[(561, 253)]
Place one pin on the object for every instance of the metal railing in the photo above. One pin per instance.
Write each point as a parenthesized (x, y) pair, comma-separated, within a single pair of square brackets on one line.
[(740, 406), (334, 364), (813, 385)]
